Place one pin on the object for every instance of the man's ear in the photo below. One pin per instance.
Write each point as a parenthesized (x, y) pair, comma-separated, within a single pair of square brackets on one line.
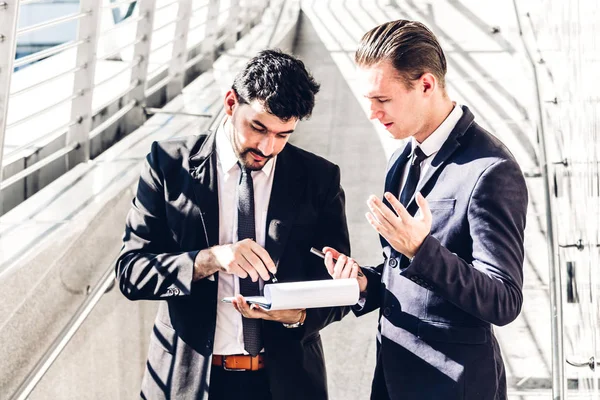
[(428, 83), (230, 102)]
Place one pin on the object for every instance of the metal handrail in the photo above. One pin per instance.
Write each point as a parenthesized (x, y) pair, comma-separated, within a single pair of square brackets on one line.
[(163, 26), (122, 24), (199, 8), (194, 27), (162, 46), (43, 110), (46, 53), (171, 4), (53, 134), (56, 21), (124, 93), (558, 376), (194, 60), (65, 336), (38, 165), (25, 2), (112, 119), (119, 50), (55, 77), (83, 87), (223, 11), (113, 76), (158, 85)]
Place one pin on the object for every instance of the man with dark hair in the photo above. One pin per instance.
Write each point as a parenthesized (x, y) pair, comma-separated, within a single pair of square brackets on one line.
[(451, 225), (218, 215)]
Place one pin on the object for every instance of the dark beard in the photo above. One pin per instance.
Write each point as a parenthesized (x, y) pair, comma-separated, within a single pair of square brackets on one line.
[(243, 159)]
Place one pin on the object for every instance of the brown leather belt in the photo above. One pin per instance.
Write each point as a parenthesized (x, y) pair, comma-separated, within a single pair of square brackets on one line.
[(239, 362)]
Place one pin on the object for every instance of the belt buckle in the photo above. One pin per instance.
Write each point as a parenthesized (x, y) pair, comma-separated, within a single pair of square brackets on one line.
[(223, 364)]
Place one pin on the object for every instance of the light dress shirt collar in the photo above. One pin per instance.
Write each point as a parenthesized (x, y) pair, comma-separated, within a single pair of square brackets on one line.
[(435, 141)]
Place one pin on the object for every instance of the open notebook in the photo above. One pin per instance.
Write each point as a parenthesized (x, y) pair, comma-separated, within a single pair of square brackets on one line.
[(308, 294)]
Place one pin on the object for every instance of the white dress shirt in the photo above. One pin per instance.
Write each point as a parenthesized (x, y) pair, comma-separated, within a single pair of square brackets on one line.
[(433, 143), (229, 336)]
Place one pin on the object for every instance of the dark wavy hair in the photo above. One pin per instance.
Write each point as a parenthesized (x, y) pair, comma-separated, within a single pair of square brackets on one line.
[(280, 82)]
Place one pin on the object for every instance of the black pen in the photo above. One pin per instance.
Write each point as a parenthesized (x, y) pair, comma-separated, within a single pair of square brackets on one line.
[(273, 277), (319, 253)]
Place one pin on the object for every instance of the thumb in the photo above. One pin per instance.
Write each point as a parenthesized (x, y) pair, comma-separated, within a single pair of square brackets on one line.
[(424, 207), (334, 252)]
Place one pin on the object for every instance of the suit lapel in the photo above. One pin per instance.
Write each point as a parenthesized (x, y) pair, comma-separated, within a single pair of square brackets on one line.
[(203, 169), (288, 189), (393, 177), (439, 161)]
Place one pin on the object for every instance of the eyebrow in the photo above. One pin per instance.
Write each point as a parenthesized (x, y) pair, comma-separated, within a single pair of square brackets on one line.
[(267, 129), (376, 97)]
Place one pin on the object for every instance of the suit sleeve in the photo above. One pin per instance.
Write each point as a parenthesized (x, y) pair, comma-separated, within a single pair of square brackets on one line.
[(372, 301), (490, 286), (332, 231), (146, 269)]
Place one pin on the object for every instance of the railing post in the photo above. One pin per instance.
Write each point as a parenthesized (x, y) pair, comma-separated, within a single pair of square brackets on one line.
[(178, 57), (555, 284), (232, 24), (139, 72), (246, 15), (9, 14), (83, 84), (210, 40)]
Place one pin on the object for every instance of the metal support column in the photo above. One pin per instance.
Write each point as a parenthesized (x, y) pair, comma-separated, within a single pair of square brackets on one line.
[(232, 24), (9, 15), (83, 86), (139, 72), (210, 39), (178, 57), (558, 357)]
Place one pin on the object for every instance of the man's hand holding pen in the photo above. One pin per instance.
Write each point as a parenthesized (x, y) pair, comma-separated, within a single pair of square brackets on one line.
[(245, 258), (341, 266)]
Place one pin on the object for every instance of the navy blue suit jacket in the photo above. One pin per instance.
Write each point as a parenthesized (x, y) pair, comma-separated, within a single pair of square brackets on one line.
[(435, 338)]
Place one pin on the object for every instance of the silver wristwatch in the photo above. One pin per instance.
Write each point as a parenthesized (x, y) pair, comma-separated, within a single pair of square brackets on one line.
[(294, 325)]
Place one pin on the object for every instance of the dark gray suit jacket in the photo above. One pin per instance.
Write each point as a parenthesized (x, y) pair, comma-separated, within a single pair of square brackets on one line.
[(436, 313), (175, 214)]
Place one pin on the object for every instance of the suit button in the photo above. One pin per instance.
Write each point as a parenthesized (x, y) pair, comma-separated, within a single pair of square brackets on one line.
[(387, 311), (393, 263), (175, 291)]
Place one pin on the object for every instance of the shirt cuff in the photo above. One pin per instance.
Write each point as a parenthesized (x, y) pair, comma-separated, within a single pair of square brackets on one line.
[(362, 300)]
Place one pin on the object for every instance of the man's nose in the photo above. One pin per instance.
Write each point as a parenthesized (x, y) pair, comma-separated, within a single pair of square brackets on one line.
[(375, 113), (266, 145)]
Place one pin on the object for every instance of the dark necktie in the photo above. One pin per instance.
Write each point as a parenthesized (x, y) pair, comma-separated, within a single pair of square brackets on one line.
[(408, 191), (412, 179), (246, 230)]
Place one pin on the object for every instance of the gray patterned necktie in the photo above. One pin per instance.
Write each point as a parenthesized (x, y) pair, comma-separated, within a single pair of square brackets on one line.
[(246, 230)]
